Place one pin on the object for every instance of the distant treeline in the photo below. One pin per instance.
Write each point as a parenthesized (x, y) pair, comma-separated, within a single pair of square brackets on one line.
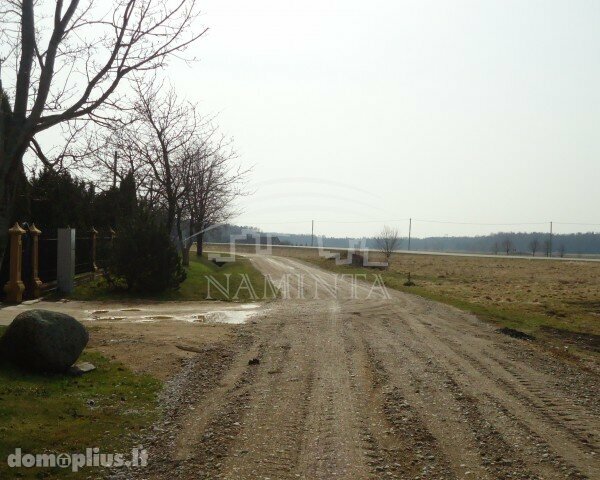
[(514, 242), (518, 242)]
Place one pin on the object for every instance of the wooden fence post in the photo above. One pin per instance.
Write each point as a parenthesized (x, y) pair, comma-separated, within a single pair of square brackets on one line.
[(34, 283), (14, 287), (93, 237)]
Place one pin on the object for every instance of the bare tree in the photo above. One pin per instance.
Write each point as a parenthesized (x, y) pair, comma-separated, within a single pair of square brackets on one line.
[(496, 248), (149, 139), (161, 128), (562, 250), (534, 245), (507, 245), (387, 241), (212, 186), (66, 61), (181, 164)]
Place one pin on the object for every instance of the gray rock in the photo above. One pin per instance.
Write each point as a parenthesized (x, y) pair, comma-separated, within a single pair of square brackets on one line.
[(43, 341), (80, 368)]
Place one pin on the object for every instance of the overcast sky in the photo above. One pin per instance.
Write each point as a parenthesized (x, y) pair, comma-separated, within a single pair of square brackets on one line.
[(464, 111)]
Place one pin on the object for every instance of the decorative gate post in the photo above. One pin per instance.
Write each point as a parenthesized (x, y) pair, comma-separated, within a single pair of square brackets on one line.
[(35, 284), (14, 287), (94, 237)]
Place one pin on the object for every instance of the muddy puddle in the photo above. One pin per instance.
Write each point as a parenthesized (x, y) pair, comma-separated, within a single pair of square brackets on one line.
[(233, 315)]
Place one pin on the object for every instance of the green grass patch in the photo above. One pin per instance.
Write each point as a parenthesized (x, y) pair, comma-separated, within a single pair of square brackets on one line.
[(65, 414), (240, 279)]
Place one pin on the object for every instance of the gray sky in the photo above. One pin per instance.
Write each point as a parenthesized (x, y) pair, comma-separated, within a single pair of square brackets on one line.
[(467, 111)]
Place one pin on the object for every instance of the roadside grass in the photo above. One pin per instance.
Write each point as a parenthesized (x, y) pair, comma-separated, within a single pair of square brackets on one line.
[(513, 314), (558, 301), (65, 414), (238, 278)]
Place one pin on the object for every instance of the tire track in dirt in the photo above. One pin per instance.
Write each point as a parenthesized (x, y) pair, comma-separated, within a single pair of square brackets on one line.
[(333, 444), (183, 394), (495, 434), (485, 341), (275, 410), (534, 386), (473, 372), (406, 447), (416, 385), (540, 401), (518, 385), (532, 449), (530, 382)]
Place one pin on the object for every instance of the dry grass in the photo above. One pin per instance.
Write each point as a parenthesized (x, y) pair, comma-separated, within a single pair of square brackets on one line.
[(565, 295)]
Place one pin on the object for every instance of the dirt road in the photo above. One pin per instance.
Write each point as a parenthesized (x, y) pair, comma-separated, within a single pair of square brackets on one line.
[(397, 387)]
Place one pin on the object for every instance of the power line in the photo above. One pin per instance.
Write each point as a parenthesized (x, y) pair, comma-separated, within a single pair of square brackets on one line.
[(413, 222), (448, 222), (478, 223), (576, 223)]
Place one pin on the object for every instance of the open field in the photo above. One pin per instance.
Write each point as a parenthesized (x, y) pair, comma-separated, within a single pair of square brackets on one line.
[(557, 300), (194, 288)]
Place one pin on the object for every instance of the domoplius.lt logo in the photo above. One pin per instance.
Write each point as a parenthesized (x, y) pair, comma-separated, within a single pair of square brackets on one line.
[(76, 461)]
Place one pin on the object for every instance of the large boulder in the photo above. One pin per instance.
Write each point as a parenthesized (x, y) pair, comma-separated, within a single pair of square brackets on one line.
[(43, 341)]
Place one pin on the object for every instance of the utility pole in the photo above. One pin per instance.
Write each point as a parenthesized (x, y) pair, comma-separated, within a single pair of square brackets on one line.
[(409, 231), (550, 253), (312, 233)]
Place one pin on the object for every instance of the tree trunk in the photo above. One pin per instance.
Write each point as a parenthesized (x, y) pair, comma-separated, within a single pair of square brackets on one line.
[(186, 246), (185, 256), (180, 242), (4, 221), (11, 169), (9, 184), (5, 116), (199, 243)]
